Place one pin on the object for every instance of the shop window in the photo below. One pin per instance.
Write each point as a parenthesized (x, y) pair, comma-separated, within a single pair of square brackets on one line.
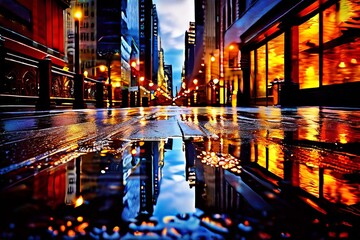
[(252, 74), (261, 72), (309, 53), (341, 43), (276, 59), (275, 67)]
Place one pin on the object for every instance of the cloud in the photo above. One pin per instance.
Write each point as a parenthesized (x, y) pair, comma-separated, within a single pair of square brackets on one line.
[(174, 17)]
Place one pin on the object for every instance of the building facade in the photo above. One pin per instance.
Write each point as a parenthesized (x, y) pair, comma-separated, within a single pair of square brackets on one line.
[(169, 79), (298, 53), (32, 46), (48, 55)]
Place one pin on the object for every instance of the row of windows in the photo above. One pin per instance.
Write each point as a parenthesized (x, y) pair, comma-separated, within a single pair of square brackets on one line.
[(87, 50), (86, 25), (338, 61), (87, 36)]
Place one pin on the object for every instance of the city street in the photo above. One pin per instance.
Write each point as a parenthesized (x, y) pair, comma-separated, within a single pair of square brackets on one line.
[(181, 172)]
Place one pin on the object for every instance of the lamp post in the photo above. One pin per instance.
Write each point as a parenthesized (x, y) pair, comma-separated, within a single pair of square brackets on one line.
[(141, 79), (107, 55), (133, 82), (108, 63), (213, 81), (216, 91), (194, 96), (77, 16), (79, 78)]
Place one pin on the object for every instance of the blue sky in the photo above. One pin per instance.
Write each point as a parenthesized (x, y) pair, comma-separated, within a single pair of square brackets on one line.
[(174, 17)]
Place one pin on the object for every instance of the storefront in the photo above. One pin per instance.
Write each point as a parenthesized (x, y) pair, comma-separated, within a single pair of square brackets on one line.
[(305, 55)]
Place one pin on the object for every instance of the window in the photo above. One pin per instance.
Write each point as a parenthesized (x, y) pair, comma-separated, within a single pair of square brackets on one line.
[(309, 53), (276, 58), (341, 43), (252, 74), (261, 72)]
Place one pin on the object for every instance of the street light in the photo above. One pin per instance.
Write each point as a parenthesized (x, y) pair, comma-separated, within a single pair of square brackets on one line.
[(141, 79), (213, 82), (79, 78), (77, 17), (194, 96)]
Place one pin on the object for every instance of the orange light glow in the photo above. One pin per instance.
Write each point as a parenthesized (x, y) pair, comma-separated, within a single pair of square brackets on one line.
[(81, 228), (62, 228), (137, 233), (142, 78), (71, 233), (78, 15), (342, 64), (102, 68), (79, 201)]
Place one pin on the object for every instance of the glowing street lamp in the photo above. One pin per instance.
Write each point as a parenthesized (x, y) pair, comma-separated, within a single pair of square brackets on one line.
[(77, 16), (79, 78), (141, 79), (102, 68)]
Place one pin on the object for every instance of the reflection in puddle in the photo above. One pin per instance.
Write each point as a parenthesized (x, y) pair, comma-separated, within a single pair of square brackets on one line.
[(198, 188)]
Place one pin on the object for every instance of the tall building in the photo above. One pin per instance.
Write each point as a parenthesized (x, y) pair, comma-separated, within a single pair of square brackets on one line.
[(88, 33), (161, 83), (109, 41), (156, 45), (189, 54), (146, 46), (169, 78), (207, 51)]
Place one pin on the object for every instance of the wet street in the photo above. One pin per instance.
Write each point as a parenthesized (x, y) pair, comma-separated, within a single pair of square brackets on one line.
[(181, 173)]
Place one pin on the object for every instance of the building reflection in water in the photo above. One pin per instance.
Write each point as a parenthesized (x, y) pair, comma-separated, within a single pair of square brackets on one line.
[(300, 149), (119, 183)]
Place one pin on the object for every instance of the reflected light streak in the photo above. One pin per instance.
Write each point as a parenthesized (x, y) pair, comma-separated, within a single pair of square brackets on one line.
[(309, 179), (338, 192), (276, 157), (310, 130), (79, 201), (260, 155)]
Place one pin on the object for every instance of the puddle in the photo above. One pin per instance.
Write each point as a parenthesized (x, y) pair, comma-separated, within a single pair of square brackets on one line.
[(197, 189)]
